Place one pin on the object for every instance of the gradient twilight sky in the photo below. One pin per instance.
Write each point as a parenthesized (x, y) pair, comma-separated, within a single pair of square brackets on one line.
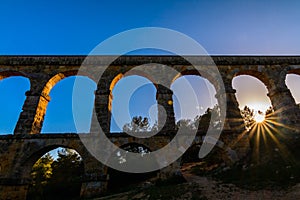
[(75, 27)]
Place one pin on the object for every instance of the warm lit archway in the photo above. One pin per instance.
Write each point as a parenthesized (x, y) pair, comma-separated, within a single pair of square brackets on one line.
[(12, 89), (132, 96), (59, 115)]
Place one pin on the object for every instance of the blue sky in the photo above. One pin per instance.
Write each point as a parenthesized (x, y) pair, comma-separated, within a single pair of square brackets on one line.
[(76, 27), (222, 27)]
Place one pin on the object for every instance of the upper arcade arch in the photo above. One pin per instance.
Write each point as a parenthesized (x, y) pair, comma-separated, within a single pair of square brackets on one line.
[(292, 82), (64, 114), (261, 76), (60, 76), (115, 79), (213, 79), (192, 95), (229, 66), (294, 71), (45, 98), (133, 72), (251, 92), (134, 94), (292, 93), (11, 73), (104, 97), (13, 87), (187, 72)]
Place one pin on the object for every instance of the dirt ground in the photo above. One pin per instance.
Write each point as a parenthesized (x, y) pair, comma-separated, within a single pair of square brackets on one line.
[(198, 187)]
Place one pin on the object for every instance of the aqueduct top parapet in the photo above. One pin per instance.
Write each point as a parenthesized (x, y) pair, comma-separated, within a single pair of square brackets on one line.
[(137, 60)]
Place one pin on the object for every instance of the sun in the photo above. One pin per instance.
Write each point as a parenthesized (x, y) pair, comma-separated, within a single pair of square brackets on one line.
[(259, 118), (259, 109)]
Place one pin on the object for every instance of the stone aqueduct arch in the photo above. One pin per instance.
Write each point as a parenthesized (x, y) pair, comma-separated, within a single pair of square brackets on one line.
[(18, 152)]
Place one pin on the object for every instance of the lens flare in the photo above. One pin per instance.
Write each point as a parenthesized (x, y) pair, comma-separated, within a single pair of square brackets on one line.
[(259, 118)]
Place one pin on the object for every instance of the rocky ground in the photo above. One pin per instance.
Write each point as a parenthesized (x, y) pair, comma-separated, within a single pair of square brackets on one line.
[(199, 187), (211, 189)]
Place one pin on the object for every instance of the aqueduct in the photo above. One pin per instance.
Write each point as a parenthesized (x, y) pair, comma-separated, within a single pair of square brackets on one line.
[(18, 152)]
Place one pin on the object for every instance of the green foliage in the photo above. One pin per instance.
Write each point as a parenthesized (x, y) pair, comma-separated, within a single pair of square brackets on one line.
[(56, 179), (65, 168), (42, 170), (41, 173)]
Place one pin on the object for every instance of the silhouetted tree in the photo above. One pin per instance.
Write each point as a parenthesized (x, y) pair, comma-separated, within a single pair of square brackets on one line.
[(139, 124), (202, 122), (248, 116), (269, 112)]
